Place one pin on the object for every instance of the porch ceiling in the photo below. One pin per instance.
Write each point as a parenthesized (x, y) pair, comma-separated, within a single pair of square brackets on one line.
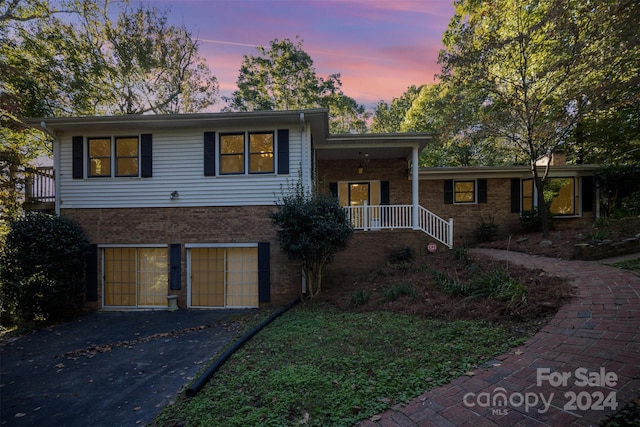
[(374, 146)]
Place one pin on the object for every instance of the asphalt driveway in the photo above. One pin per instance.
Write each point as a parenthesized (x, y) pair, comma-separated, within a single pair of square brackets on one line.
[(108, 368)]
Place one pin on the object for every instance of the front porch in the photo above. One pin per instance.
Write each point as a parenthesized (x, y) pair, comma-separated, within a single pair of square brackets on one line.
[(376, 179)]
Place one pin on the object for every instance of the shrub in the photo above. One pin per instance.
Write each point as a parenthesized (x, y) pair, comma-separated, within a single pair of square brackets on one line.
[(42, 268), (359, 298), (486, 231), (401, 254), (531, 222), (399, 290)]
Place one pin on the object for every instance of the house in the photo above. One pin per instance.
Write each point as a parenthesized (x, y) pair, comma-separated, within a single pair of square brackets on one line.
[(177, 206)]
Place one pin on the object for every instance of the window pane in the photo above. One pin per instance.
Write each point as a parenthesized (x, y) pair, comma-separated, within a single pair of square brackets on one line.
[(261, 153), (100, 147), (100, 167), (232, 163), (560, 192), (232, 144), (153, 278), (120, 277), (465, 191), (127, 167), (261, 163), (127, 147), (261, 143)]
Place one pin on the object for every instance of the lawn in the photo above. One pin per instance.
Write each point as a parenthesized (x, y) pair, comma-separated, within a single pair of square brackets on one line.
[(630, 264), (318, 365)]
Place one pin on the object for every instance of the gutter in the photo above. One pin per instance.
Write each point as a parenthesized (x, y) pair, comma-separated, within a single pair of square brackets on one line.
[(206, 376)]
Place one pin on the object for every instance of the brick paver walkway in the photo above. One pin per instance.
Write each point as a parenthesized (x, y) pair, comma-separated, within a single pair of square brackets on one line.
[(594, 339)]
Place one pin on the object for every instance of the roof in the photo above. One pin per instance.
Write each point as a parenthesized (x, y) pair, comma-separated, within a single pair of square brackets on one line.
[(317, 118), (374, 145), (517, 171)]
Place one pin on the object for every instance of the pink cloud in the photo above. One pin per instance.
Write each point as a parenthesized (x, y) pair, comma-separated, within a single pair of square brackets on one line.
[(379, 47)]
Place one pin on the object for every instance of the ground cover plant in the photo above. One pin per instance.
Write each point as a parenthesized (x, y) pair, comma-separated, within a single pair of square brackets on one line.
[(630, 264), (318, 365), (374, 338)]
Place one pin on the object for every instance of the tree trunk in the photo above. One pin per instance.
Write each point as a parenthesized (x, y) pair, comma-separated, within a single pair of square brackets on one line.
[(542, 205)]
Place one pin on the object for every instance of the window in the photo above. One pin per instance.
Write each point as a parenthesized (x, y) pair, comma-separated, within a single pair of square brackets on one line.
[(127, 156), (101, 156), (527, 195), (260, 149), (260, 153), (135, 277), (559, 195), (232, 154), (223, 276), (464, 191)]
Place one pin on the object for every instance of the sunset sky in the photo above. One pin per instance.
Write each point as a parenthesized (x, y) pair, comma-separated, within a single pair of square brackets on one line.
[(380, 47)]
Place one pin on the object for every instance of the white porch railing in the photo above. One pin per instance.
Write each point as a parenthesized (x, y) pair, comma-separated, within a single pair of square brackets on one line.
[(377, 217)]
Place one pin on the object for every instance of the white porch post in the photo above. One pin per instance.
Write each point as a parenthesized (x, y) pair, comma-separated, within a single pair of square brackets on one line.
[(414, 187)]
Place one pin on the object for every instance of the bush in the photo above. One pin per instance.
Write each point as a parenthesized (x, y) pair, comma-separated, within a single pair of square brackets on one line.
[(401, 254), (486, 231), (531, 222), (42, 268)]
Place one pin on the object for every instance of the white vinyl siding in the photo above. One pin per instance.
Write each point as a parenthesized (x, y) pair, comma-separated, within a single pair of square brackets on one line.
[(178, 165)]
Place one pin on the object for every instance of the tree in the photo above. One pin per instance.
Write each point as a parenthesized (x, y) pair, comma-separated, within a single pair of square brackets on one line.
[(388, 118), (312, 227), (85, 58), (529, 61), (42, 268), (282, 77)]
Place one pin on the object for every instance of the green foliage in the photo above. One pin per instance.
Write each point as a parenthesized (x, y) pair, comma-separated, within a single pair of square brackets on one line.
[(282, 77), (630, 264), (531, 221), (486, 231), (312, 227), (359, 298), (495, 283), (628, 416), (400, 254), (100, 57), (42, 268), (318, 366), (619, 190), (402, 289)]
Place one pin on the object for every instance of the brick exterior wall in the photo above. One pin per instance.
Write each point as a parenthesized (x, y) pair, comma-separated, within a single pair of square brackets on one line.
[(466, 218), (238, 224)]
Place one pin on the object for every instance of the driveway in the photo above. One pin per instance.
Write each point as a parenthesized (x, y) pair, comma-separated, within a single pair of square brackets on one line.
[(108, 368)]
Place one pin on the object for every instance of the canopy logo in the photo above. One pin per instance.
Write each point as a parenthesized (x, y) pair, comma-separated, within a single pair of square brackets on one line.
[(499, 400)]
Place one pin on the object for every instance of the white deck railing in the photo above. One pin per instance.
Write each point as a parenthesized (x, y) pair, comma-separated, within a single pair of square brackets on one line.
[(377, 217)]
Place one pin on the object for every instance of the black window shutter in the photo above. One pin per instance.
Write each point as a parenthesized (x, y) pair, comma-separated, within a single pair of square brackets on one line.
[(264, 272), (78, 157), (333, 189), (91, 273), (283, 151), (384, 193), (175, 271), (587, 194), (515, 195), (209, 154), (448, 192), (146, 157), (482, 190)]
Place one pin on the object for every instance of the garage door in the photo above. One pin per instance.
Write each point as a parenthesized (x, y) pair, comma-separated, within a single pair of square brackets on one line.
[(223, 276)]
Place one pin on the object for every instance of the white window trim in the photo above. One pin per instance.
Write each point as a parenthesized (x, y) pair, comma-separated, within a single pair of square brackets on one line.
[(577, 195), (247, 154), (114, 158), (475, 192)]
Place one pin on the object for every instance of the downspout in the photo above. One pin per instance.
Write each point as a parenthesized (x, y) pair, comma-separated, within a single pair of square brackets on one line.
[(415, 187), (56, 164)]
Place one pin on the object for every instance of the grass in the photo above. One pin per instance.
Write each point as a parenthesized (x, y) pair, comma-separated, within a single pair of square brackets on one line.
[(630, 264), (319, 366)]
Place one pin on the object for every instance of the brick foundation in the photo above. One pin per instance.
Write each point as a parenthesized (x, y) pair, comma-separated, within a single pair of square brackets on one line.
[(242, 224)]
